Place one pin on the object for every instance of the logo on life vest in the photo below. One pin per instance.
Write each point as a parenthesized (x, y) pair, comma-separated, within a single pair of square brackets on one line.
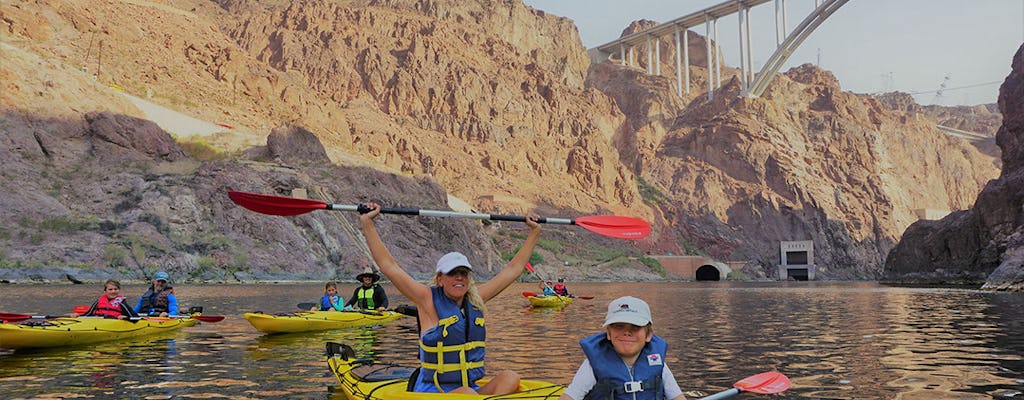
[(654, 359)]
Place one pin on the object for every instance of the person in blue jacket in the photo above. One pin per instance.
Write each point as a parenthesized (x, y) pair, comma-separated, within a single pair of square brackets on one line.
[(331, 300), (159, 300), (626, 361), (451, 314)]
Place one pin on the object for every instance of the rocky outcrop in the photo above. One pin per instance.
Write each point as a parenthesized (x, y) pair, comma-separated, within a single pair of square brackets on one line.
[(982, 244), (296, 145), (492, 102)]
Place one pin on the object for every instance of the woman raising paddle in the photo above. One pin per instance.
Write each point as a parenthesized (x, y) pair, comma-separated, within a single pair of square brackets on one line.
[(451, 314)]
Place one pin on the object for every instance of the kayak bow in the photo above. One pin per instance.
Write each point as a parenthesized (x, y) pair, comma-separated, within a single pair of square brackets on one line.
[(361, 379)]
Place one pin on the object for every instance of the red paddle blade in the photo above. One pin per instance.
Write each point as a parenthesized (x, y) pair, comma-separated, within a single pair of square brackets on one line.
[(529, 267), (585, 297), (7, 317), (615, 226), (764, 383), (529, 294), (275, 205), (209, 318)]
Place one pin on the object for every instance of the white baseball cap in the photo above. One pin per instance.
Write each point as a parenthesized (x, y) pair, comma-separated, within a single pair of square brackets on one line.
[(630, 310), (452, 260)]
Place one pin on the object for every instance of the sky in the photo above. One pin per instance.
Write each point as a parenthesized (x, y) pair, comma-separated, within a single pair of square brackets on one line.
[(872, 46)]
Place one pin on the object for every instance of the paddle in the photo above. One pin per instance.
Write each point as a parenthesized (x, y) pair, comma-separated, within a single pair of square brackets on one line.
[(22, 317), (607, 225), (764, 383), (308, 306), (10, 317), (532, 294), (194, 313)]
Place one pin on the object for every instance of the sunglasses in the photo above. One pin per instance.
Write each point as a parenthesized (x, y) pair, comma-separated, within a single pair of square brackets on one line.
[(458, 271)]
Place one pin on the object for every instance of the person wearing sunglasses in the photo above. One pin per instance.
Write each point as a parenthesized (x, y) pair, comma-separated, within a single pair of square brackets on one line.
[(451, 314)]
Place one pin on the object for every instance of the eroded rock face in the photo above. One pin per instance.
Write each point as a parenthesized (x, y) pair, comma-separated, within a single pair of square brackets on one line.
[(983, 243), (491, 101)]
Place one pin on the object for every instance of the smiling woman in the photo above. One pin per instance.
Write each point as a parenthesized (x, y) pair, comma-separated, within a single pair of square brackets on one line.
[(451, 314)]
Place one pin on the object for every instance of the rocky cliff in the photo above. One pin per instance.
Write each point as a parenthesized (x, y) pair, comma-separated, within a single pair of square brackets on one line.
[(414, 103), (986, 242)]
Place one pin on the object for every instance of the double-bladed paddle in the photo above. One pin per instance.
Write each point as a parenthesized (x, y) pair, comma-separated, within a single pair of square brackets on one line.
[(309, 306), (764, 383), (607, 225), (9, 317)]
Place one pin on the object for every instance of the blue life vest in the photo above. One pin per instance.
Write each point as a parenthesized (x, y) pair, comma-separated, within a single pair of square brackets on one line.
[(331, 302), (612, 373), (452, 353)]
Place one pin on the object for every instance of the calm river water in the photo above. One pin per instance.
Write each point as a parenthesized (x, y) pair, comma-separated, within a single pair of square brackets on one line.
[(834, 341)]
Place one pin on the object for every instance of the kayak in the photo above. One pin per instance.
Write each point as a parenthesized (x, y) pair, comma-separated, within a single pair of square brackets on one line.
[(550, 301), (304, 321), (361, 379), (83, 330)]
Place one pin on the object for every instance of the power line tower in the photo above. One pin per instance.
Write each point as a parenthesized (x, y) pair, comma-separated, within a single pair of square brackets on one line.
[(938, 93)]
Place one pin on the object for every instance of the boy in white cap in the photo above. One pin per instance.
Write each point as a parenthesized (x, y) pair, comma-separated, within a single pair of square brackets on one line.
[(626, 361), (451, 314)]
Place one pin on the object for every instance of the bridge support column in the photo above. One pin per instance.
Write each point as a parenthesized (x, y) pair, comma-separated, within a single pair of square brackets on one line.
[(657, 56), (741, 17)]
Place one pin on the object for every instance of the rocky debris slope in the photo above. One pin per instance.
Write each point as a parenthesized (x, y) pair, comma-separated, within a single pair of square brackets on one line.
[(986, 242)]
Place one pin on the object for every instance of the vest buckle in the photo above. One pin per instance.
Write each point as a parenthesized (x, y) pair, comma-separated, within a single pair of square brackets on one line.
[(633, 387)]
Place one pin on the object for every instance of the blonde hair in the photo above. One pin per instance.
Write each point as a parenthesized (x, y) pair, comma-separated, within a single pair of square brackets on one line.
[(472, 294), (331, 285)]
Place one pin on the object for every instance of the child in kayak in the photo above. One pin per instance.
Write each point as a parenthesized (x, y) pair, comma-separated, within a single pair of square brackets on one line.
[(159, 300), (369, 295), (560, 288), (627, 358), (331, 299), (111, 303), (451, 314), (546, 289)]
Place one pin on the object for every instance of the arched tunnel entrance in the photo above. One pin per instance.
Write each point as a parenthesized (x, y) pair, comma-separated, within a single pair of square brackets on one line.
[(708, 273)]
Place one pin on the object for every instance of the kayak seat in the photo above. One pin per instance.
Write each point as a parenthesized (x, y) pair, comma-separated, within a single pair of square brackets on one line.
[(389, 373), (415, 376)]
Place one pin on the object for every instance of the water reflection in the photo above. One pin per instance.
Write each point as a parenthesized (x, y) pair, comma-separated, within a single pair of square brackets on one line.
[(834, 340)]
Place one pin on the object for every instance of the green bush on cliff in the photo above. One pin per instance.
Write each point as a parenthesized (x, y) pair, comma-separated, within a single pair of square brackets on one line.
[(199, 149), (654, 265)]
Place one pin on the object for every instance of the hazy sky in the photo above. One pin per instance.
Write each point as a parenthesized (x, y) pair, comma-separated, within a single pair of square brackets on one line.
[(870, 45)]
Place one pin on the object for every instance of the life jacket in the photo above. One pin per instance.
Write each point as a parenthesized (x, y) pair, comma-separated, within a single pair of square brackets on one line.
[(612, 374), (330, 302), (365, 296), (156, 303), (548, 291), (561, 290), (106, 307), (453, 351)]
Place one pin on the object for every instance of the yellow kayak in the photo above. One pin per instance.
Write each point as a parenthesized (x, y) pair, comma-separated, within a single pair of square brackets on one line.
[(363, 380), (304, 321), (83, 330), (549, 301)]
